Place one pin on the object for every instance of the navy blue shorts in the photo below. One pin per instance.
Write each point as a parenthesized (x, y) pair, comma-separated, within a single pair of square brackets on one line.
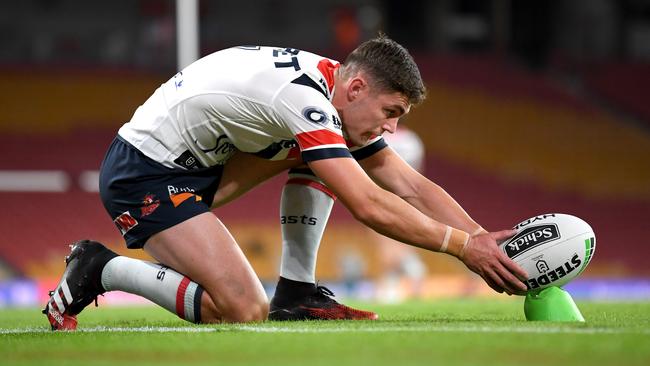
[(144, 197)]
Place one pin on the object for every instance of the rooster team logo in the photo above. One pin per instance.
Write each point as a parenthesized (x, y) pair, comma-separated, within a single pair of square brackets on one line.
[(149, 205)]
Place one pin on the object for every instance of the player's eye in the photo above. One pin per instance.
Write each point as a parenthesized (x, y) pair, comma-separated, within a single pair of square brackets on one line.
[(390, 113)]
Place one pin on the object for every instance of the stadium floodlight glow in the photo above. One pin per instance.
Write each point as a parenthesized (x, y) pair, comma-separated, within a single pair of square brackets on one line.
[(34, 181)]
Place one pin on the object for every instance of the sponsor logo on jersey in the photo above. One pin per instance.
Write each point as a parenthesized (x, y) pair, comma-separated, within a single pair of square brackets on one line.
[(149, 205), (550, 276), (223, 149), (530, 238), (282, 53), (304, 220), (125, 222), (180, 195), (337, 122), (316, 115)]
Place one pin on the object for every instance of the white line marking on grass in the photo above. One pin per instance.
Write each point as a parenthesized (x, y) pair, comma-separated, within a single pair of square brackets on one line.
[(117, 330), (370, 329), (442, 329)]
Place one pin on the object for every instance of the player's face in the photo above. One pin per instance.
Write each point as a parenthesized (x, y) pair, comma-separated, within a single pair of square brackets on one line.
[(367, 113)]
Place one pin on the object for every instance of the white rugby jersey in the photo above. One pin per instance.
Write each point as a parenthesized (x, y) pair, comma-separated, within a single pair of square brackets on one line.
[(273, 102)]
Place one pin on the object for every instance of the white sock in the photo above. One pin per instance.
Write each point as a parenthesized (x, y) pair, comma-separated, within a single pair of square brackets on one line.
[(156, 282), (304, 211)]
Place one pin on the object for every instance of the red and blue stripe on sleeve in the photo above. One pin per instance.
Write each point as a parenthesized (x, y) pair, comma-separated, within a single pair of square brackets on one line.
[(322, 144)]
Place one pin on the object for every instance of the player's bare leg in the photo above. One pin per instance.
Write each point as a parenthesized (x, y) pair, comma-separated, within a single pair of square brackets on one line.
[(225, 289), (203, 249)]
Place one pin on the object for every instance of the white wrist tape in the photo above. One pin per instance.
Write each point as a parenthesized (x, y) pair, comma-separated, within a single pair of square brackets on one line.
[(454, 242), (445, 241)]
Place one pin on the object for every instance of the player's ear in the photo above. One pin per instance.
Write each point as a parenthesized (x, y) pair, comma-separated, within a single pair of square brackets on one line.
[(355, 87)]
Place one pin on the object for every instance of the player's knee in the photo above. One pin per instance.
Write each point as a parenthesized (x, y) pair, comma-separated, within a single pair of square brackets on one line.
[(234, 309), (251, 311), (237, 313)]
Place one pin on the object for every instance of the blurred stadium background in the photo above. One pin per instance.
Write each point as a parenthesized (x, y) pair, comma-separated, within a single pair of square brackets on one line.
[(533, 107)]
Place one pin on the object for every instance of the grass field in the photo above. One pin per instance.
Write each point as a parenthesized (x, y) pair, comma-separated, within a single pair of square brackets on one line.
[(460, 332)]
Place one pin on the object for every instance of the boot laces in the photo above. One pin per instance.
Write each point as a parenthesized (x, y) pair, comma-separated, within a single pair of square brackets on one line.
[(324, 292)]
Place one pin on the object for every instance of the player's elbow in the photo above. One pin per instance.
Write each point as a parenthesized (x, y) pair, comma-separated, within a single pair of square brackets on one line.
[(362, 214), (370, 214)]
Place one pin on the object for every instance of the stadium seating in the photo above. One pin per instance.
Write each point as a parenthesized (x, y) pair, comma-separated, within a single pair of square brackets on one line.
[(623, 86)]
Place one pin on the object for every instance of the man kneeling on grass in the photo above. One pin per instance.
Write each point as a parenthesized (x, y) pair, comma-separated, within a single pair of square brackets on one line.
[(228, 122)]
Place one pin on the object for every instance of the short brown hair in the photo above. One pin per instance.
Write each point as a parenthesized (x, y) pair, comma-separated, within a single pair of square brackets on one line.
[(390, 66)]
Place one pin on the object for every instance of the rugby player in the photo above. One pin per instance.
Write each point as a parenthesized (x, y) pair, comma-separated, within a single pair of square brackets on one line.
[(232, 120)]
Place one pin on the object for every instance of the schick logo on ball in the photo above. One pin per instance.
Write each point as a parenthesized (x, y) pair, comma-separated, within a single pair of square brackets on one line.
[(530, 238)]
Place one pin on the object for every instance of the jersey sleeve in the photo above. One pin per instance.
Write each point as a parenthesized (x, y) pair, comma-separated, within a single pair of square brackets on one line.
[(371, 147), (307, 114)]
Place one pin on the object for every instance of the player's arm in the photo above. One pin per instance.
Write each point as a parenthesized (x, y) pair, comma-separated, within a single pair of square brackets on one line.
[(391, 172), (244, 172), (389, 215)]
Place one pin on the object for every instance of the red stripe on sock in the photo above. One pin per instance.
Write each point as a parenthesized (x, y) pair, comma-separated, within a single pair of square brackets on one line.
[(313, 184), (180, 297)]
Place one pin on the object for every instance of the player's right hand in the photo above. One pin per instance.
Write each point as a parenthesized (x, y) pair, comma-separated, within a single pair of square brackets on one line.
[(483, 256)]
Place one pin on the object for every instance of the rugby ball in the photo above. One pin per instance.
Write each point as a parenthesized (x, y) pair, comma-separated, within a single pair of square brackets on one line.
[(552, 248)]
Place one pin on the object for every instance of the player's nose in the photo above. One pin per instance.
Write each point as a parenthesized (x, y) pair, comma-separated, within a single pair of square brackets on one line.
[(390, 125)]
